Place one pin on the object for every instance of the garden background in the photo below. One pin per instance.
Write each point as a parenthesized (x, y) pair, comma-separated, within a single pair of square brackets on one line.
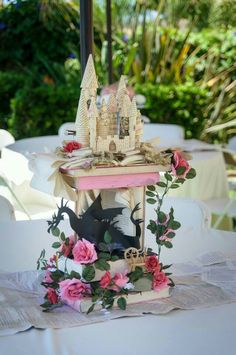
[(180, 54)]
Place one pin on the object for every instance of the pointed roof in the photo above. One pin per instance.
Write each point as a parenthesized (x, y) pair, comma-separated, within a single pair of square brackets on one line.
[(125, 106), (89, 80), (121, 91), (112, 104), (93, 111), (133, 108)]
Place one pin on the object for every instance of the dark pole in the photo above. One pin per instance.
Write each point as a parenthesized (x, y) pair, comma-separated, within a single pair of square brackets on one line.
[(86, 32), (109, 41)]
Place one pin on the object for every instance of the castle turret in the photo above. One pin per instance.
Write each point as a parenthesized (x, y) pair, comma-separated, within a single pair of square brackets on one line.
[(89, 82), (82, 122), (89, 87), (124, 116), (112, 112), (132, 121), (103, 122)]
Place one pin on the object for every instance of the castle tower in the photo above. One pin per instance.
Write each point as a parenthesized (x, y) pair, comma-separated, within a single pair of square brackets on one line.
[(124, 116), (89, 82), (139, 129), (121, 91), (93, 117), (82, 122), (89, 87), (132, 122), (112, 112), (103, 122)]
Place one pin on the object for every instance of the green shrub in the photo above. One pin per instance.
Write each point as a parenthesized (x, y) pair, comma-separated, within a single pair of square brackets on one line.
[(10, 82), (177, 104), (41, 110)]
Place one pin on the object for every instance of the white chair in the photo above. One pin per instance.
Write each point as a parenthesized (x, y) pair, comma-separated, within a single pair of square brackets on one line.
[(6, 210), (62, 131), (27, 202), (35, 145), (5, 138), (221, 208), (193, 216), (169, 134)]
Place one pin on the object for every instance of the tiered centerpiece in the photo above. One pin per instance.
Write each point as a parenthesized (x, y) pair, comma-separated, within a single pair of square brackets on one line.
[(106, 261)]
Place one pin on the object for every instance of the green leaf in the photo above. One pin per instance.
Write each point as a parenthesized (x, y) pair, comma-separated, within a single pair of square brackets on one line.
[(180, 180), (91, 308), (151, 194), (102, 265), (174, 186), (191, 174), (62, 236), (107, 237), (114, 257), (171, 284), (152, 226), (151, 201), (75, 275), (136, 274), (151, 188), (171, 235), (164, 267), (88, 273), (161, 184), (56, 232), (175, 225), (168, 176), (102, 246), (104, 255), (121, 302), (161, 217), (181, 170), (168, 244), (56, 245)]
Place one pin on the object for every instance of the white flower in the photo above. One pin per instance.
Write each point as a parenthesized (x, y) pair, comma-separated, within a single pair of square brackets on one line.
[(129, 286)]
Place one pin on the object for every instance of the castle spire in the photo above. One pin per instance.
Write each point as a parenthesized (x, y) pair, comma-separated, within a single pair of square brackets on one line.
[(121, 91), (89, 81), (82, 122)]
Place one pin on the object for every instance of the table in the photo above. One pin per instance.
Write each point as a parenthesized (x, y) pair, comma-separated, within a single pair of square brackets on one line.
[(35, 144), (211, 180), (209, 331), (203, 331)]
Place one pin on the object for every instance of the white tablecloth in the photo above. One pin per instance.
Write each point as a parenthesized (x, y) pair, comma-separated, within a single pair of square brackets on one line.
[(203, 331), (209, 331)]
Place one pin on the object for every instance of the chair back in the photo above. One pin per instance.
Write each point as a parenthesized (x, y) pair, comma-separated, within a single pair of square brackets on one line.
[(5, 138), (6, 210), (62, 131), (169, 134)]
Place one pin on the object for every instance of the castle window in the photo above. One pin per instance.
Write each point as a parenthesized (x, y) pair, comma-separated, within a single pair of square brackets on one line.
[(112, 146)]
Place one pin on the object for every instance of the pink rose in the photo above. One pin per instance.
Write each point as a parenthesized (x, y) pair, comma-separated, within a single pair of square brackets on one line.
[(47, 277), (84, 252), (165, 235), (70, 146), (159, 281), (120, 280), (52, 296), (66, 249), (152, 263), (105, 280), (179, 162), (73, 290)]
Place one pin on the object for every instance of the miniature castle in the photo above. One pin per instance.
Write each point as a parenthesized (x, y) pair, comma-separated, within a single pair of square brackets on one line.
[(116, 126)]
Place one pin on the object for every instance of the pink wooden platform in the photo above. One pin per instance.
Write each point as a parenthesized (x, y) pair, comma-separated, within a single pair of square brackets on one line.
[(116, 181)]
